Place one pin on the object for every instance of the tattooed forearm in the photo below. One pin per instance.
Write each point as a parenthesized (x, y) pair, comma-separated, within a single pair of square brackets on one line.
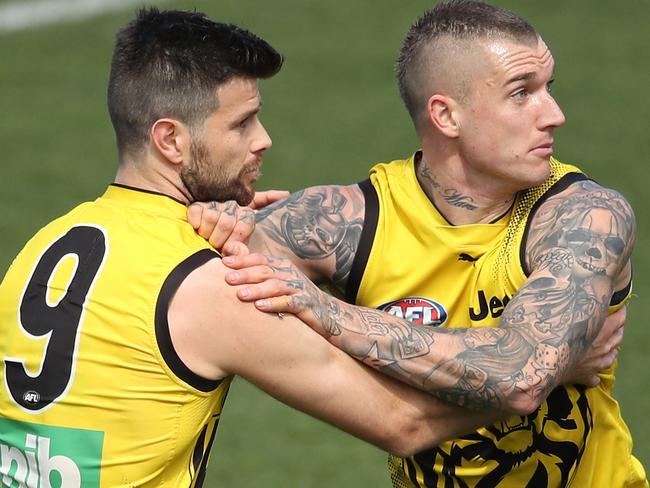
[(576, 250), (478, 368), (316, 224), (467, 369)]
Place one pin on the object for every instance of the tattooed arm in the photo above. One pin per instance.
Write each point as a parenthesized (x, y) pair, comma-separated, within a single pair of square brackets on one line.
[(579, 248), (318, 229)]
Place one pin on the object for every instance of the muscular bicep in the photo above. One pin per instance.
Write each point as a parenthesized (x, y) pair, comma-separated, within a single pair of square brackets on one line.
[(594, 224), (578, 251), (319, 229), (579, 247)]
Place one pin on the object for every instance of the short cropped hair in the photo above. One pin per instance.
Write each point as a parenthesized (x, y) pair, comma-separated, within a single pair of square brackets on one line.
[(169, 64), (457, 20)]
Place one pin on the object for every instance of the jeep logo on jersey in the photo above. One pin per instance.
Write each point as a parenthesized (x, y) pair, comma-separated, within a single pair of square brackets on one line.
[(493, 307), (417, 310)]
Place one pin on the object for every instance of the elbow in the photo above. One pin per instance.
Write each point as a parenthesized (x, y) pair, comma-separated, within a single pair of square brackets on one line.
[(407, 449), (410, 437), (526, 401), (405, 446)]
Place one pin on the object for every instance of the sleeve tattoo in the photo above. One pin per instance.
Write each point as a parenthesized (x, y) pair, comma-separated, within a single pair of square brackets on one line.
[(579, 242), (315, 224)]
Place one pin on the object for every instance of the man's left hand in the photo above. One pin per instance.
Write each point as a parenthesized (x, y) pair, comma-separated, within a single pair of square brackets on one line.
[(227, 226)]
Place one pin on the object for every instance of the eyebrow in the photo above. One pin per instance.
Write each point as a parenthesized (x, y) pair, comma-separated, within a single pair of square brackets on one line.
[(525, 77), (252, 111)]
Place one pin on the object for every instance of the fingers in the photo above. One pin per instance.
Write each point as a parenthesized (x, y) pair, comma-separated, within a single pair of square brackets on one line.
[(245, 261), (591, 381), (276, 305), (616, 339), (227, 226), (266, 290), (603, 352), (235, 248), (264, 198), (618, 318), (194, 213), (612, 330), (267, 278), (252, 269), (220, 223), (262, 280), (208, 219), (250, 275)]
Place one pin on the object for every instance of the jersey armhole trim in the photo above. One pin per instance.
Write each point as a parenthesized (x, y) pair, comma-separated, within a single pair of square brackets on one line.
[(560, 185), (163, 337), (621, 295), (370, 220)]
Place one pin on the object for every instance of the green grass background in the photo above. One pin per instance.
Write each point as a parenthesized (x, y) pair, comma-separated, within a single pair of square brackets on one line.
[(333, 111)]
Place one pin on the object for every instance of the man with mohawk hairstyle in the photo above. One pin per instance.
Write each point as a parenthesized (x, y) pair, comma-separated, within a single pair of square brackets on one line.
[(119, 335), (481, 227)]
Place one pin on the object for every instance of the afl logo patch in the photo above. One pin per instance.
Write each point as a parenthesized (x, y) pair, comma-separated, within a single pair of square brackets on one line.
[(32, 397), (417, 310)]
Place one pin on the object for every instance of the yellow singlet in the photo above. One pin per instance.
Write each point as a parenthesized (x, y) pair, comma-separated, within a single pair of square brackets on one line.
[(93, 393), (412, 263)]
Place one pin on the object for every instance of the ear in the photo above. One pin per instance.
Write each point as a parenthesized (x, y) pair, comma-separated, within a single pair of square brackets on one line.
[(443, 115), (171, 138)]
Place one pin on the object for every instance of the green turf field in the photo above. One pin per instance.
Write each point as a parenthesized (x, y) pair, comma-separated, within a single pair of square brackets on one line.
[(333, 111)]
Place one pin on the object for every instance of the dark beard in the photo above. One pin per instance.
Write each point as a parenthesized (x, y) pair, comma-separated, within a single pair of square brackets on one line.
[(205, 183)]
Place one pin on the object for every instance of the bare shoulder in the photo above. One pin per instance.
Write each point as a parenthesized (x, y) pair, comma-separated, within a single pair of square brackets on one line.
[(593, 225), (318, 228), (199, 315), (216, 335)]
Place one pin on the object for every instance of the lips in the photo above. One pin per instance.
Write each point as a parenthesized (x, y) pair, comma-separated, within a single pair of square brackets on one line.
[(545, 149), (544, 145), (254, 171)]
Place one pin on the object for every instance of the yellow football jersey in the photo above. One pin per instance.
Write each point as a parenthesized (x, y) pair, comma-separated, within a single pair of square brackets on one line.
[(93, 393), (414, 264)]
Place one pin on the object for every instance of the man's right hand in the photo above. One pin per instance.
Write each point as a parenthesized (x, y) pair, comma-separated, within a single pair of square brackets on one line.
[(228, 226), (602, 353)]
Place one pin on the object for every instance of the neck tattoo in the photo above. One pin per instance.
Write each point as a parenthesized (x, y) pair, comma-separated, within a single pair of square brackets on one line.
[(449, 195)]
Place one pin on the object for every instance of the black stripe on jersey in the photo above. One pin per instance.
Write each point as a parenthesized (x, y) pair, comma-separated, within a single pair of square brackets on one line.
[(560, 185), (200, 479), (199, 449), (412, 472), (163, 338), (120, 185), (620, 295), (370, 219)]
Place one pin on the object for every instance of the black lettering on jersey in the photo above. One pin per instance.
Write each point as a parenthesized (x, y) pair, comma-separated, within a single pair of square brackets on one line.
[(494, 307), (61, 321)]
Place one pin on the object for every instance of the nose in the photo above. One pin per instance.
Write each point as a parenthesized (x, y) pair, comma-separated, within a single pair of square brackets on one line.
[(262, 141), (551, 113)]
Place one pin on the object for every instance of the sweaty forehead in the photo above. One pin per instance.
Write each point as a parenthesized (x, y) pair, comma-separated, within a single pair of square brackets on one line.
[(508, 59)]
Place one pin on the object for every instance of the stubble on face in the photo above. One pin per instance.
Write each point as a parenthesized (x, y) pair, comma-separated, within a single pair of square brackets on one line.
[(206, 180)]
